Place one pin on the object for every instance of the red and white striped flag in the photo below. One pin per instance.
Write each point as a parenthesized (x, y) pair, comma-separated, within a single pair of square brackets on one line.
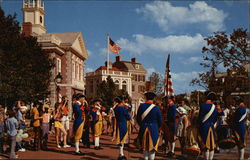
[(168, 85), (114, 47)]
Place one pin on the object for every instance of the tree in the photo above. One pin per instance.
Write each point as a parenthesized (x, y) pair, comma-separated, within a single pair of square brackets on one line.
[(229, 51), (25, 67), (157, 82), (107, 91)]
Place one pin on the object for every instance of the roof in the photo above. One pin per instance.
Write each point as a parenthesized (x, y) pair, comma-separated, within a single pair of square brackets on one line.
[(67, 40), (130, 66), (67, 37), (105, 68)]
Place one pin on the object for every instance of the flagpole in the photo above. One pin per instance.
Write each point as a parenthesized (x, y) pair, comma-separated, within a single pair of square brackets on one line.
[(107, 53)]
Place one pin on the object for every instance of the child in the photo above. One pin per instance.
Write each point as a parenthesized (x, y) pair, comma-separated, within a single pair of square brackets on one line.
[(45, 127), (11, 126)]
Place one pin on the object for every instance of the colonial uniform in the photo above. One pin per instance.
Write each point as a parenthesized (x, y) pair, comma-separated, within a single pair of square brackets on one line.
[(78, 110), (122, 118), (97, 123), (207, 117), (129, 109), (239, 122), (149, 118), (171, 125)]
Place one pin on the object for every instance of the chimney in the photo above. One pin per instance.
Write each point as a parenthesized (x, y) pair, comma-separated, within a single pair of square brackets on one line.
[(133, 60), (27, 28), (118, 58), (110, 64)]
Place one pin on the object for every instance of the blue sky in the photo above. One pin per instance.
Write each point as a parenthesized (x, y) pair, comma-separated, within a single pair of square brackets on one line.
[(147, 30)]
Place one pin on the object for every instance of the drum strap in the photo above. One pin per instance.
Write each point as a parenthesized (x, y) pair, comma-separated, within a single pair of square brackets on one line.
[(209, 113), (146, 112), (243, 117)]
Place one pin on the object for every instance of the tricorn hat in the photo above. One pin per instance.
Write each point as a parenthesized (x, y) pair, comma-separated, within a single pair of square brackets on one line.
[(97, 100), (238, 99), (150, 95)]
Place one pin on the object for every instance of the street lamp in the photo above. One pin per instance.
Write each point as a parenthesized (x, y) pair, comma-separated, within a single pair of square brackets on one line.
[(58, 80)]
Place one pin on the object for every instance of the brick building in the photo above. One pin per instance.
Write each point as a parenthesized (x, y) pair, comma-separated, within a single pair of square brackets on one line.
[(128, 75), (67, 49), (229, 84)]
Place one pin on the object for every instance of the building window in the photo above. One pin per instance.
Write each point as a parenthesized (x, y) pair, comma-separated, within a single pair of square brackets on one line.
[(124, 85), (143, 78), (117, 84), (73, 69), (135, 77), (59, 66), (133, 88), (141, 88), (77, 71), (136, 66)]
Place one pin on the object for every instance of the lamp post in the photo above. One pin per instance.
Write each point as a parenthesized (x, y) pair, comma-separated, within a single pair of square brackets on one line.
[(58, 80)]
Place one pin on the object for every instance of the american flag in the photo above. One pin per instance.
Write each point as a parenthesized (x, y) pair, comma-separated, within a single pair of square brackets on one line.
[(168, 85), (114, 47)]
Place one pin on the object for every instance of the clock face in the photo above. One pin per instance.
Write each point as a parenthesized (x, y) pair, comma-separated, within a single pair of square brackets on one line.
[(41, 19)]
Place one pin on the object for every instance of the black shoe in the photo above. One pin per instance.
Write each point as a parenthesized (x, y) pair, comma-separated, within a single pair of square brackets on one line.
[(79, 153), (122, 158), (217, 151), (96, 148), (170, 154)]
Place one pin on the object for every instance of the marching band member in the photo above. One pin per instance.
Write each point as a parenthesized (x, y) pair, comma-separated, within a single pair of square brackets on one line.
[(122, 117), (207, 117), (171, 125), (149, 119), (97, 117), (78, 110), (239, 125), (130, 110)]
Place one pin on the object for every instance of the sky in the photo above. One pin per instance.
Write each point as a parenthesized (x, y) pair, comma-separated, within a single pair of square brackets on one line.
[(147, 30)]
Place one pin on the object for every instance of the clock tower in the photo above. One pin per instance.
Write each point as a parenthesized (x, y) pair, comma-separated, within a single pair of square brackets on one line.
[(33, 17)]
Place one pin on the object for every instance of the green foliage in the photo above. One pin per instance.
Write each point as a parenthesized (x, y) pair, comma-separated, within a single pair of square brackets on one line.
[(157, 83), (230, 51), (107, 91), (25, 67)]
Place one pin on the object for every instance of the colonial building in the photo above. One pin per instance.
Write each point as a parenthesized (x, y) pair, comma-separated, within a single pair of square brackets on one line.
[(229, 84), (66, 49), (122, 79), (128, 75), (138, 73)]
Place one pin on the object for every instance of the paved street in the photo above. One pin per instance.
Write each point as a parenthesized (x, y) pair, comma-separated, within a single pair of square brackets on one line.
[(109, 151)]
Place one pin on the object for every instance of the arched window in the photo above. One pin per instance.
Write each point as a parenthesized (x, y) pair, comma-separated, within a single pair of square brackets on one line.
[(124, 85)]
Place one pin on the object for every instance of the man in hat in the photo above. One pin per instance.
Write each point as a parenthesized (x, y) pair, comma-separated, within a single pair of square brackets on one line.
[(207, 116), (122, 117), (149, 119), (78, 110), (171, 125), (239, 125), (96, 113)]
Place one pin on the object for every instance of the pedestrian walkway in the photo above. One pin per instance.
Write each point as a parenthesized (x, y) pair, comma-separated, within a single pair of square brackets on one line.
[(109, 151)]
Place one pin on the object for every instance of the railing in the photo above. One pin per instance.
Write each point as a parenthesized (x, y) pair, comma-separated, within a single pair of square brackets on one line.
[(104, 72)]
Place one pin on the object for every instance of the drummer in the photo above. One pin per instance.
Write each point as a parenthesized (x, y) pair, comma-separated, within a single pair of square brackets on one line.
[(239, 125)]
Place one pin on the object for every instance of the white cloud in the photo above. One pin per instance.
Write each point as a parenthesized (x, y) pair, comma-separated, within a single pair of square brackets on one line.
[(182, 80), (169, 44), (192, 60), (168, 16), (89, 52), (150, 71), (89, 69)]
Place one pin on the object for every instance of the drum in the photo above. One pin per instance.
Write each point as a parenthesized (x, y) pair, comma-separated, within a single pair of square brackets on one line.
[(193, 151), (225, 137)]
